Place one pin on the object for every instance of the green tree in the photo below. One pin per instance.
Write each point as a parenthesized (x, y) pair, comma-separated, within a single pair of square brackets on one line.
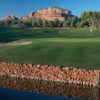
[(91, 17), (39, 23), (67, 22), (27, 23), (51, 24), (1, 23), (74, 21), (57, 23), (83, 23), (8, 22), (45, 23), (71, 21)]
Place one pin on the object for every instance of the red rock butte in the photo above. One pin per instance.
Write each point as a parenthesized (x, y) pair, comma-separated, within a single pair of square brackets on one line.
[(50, 14)]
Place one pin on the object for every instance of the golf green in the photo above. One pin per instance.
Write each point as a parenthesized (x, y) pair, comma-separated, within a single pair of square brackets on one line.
[(79, 48)]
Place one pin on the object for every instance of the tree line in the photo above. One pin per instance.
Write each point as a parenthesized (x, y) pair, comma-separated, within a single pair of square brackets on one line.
[(87, 19)]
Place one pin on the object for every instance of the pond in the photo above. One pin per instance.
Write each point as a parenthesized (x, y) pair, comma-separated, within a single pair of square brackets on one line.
[(21, 89)]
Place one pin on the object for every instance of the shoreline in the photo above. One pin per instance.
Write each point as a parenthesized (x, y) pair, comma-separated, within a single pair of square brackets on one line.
[(51, 73), (49, 80), (50, 88)]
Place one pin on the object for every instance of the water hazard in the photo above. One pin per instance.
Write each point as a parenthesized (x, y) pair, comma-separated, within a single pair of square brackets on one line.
[(21, 89)]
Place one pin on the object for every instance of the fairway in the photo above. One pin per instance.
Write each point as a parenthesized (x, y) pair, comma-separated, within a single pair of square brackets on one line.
[(79, 48)]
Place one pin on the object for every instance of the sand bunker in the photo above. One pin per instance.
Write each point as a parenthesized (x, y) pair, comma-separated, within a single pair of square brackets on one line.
[(16, 43)]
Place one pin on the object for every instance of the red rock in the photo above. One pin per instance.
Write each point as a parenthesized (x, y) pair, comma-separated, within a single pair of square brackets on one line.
[(10, 17), (52, 14), (51, 72), (31, 14)]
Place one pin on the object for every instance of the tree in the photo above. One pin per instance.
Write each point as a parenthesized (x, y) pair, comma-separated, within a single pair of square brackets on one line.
[(1, 23), (57, 23), (74, 21), (67, 22), (34, 24), (8, 22), (92, 17), (83, 23), (45, 23), (51, 24), (71, 21), (20, 23), (37, 23), (27, 23)]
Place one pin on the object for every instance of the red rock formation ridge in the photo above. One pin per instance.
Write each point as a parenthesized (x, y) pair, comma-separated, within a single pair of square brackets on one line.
[(10, 17), (50, 14), (52, 73)]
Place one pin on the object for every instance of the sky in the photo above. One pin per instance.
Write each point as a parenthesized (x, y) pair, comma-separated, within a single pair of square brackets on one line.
[(22, 8)]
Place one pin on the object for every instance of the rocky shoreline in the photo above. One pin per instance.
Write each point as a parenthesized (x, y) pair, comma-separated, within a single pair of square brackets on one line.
[(51, 73)]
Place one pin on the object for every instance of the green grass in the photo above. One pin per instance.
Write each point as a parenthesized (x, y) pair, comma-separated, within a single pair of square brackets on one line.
[(79, 47)]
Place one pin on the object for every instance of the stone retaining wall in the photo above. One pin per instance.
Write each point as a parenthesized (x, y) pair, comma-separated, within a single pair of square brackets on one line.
[(51, 88), (51, 73)]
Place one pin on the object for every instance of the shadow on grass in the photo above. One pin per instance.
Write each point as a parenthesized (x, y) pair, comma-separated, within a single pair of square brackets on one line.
[(12, 34)]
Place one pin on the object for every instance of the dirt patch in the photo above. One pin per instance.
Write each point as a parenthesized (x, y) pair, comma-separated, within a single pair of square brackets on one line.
[(16, 43)]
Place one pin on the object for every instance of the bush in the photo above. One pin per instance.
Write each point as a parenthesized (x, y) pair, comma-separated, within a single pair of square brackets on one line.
[(28, 24), (37, 23), (71, 21), (2, 23)]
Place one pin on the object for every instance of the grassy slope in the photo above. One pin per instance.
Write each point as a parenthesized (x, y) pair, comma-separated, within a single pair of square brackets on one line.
[(72, 47)]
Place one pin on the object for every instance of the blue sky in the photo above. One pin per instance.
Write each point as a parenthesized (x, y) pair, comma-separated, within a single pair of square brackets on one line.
[(24, 7)]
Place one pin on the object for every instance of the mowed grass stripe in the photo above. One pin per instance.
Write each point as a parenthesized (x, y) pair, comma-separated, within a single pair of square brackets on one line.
[(77, 47), (55, 51)]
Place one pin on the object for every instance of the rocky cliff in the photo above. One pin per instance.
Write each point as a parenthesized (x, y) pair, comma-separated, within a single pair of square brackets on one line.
[(10, 17), (50, 14)]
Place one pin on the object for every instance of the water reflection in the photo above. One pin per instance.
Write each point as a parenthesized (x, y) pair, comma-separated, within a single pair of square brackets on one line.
[(51, 88)]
